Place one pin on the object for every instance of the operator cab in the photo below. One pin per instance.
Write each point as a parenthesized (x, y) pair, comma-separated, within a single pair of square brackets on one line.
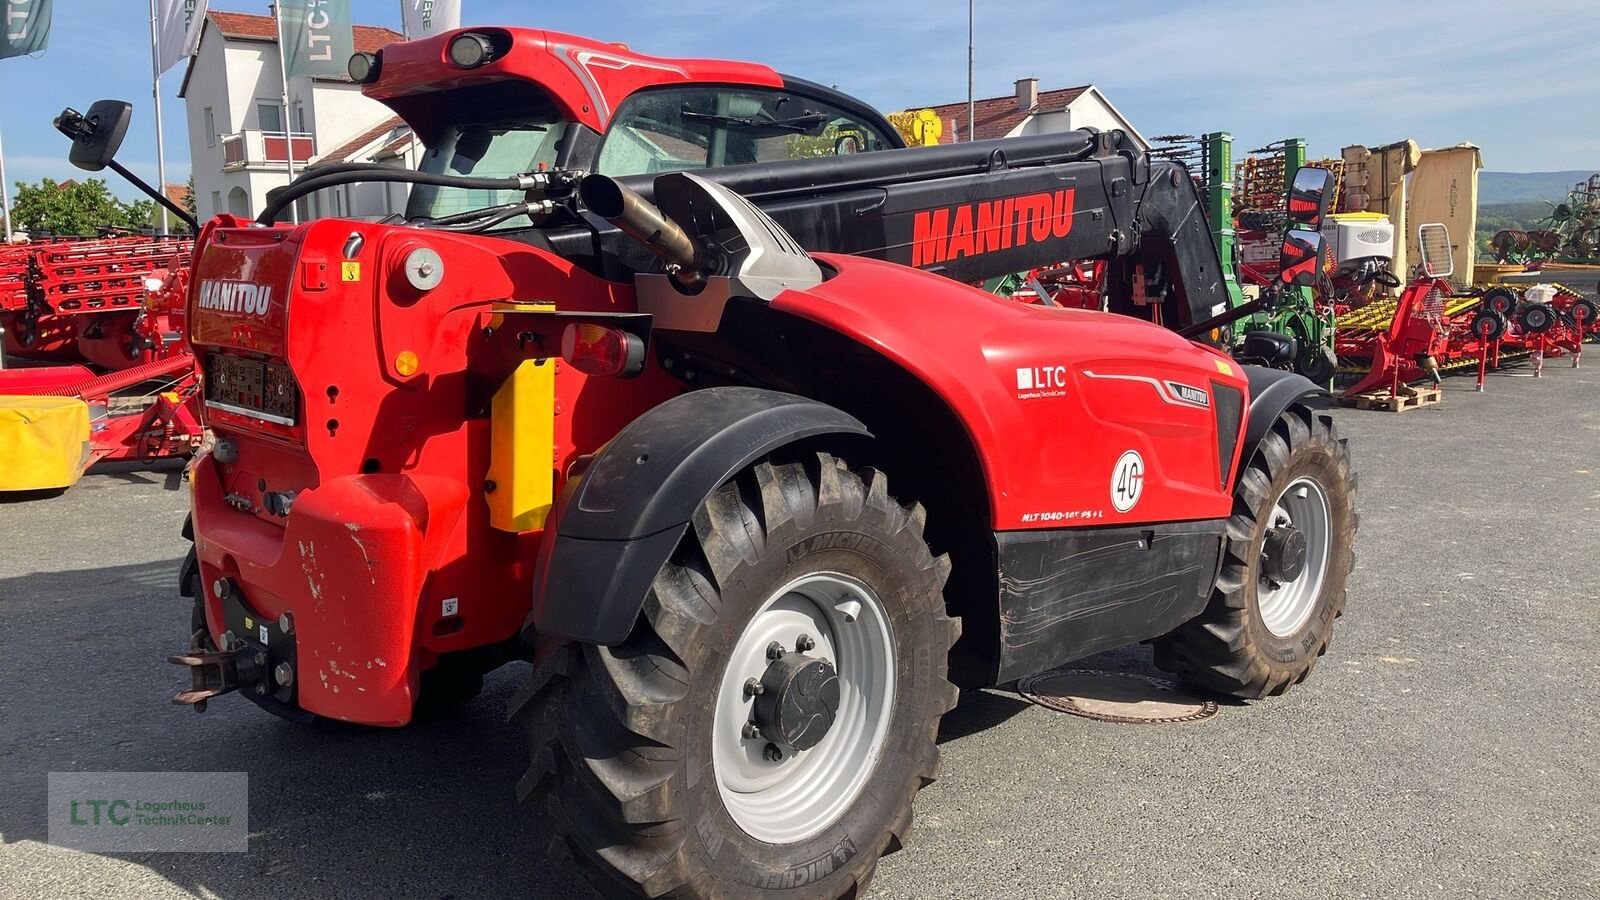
[(505, 128)]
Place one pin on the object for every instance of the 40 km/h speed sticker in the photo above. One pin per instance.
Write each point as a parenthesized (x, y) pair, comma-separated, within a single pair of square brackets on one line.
[(1127, 481)]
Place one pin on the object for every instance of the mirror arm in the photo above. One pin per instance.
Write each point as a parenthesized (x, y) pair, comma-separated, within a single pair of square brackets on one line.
[(1226, 318), (153, 194)]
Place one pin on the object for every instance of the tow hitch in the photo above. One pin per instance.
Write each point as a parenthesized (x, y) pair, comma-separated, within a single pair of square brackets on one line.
[(216, 672)]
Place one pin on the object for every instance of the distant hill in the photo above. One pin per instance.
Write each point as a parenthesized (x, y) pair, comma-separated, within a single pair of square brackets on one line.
[(1523, 187)]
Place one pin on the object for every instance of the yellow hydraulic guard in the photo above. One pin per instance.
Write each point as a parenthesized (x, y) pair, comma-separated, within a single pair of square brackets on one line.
[(522, 443)]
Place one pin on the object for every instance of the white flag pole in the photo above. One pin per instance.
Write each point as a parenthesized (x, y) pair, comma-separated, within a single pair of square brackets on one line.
[(288, 128), (155, 91), (411, 145), (5, 196)]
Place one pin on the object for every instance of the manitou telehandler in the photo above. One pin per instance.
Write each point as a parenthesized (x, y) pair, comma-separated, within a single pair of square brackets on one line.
[(646, 387)]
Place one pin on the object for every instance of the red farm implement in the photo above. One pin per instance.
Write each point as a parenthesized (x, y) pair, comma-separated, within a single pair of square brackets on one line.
[(109, 314), (1432, 329), (89, 299)]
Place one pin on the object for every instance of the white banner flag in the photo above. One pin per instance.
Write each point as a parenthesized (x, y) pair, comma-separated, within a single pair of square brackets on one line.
[(180, 22), (426, 18)]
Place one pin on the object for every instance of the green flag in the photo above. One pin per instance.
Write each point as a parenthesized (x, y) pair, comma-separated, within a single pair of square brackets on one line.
[(317, 35), (24, 27)]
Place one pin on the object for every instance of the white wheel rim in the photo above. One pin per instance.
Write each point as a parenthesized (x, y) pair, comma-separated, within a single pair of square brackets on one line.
[(1285, 607), (798, 796)]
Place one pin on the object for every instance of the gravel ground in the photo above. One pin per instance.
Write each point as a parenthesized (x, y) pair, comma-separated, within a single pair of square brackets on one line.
[(1443, 748)]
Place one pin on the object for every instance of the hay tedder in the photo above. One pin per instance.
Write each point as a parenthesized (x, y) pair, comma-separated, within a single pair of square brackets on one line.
[(725, 444)]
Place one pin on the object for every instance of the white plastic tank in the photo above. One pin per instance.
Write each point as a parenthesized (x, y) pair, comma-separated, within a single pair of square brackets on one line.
[(1358, 236)]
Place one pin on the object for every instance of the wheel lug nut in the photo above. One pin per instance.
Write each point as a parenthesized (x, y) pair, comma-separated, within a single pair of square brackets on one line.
[(750, 732), (752, 687), (771, 753), (804, 643), (774, 650)]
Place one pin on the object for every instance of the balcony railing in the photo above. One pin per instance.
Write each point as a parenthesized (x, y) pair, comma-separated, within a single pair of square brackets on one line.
[(265, 148)]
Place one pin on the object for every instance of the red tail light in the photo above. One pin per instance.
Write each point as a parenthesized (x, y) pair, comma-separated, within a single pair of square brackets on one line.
[(597, 350)]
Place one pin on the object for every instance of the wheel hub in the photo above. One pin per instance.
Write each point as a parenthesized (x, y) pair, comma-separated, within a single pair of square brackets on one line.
[(1285, 554), (798, 700)]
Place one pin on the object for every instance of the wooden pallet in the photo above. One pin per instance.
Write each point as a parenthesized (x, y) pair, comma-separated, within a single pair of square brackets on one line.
[(1409, 398)]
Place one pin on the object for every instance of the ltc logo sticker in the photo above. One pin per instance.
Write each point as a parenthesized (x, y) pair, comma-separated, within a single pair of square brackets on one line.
[(1041, 381), (1127, 481)]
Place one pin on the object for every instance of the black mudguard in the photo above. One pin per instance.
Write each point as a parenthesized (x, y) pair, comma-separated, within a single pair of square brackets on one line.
[(618, 522), (191, 561), (1271, 392)]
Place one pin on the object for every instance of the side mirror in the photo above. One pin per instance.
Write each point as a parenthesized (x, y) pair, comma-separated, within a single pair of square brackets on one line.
[(97, 135), (1301, 258), (846, 145), (1309, 197)]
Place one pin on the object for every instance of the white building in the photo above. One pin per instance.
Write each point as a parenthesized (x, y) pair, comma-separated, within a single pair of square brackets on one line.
[(1030, 111), (239, 134), (388, 143)]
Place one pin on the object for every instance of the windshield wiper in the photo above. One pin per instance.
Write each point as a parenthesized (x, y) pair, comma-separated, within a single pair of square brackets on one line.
[(797, 124)]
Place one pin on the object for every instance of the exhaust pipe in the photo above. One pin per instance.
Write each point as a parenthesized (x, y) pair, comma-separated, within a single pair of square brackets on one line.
[(644, 222)]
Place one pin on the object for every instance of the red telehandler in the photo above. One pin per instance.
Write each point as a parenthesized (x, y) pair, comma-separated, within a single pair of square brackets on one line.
[(646, 387)]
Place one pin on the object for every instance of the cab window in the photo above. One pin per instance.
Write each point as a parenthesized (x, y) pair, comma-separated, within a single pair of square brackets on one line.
[(674, 129)]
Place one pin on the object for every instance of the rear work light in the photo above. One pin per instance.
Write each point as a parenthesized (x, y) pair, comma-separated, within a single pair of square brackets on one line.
[(597, 350), (365, 68), (471, 50)]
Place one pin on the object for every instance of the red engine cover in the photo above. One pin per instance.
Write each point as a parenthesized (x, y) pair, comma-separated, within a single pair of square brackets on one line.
[(1055, 400)]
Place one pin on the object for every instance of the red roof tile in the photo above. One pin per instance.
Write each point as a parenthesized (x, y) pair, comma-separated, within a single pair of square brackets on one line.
[(243, 26), (343, 152), (996, 116)]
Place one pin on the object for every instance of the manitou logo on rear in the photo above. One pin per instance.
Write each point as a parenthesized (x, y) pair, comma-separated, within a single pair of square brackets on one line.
[(1041, 381), (236, 297)]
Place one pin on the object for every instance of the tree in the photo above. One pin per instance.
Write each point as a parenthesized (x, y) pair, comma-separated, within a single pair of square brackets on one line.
[(75, 208), (188, 199)]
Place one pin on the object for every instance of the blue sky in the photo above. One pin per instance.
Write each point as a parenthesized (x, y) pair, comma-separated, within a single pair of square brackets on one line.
[(1515, 78)]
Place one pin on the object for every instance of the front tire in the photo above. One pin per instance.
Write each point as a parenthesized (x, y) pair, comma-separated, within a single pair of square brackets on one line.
[(644, 753), (1262, 631)]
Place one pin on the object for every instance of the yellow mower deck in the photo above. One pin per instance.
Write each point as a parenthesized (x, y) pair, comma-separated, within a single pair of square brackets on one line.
[(44, 442)]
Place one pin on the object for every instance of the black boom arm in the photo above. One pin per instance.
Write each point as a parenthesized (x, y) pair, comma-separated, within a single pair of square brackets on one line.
[(984, 209)]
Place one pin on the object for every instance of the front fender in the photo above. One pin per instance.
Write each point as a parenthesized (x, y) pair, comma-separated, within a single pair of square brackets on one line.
[(1271, 392), (618, 522)]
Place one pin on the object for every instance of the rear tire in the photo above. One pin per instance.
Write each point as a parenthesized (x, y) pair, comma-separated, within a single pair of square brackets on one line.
[(629, 745), (1257, 637)]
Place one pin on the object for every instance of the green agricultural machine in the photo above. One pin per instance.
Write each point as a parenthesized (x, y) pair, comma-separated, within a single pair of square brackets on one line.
[(1246, 206), (1264, 178)]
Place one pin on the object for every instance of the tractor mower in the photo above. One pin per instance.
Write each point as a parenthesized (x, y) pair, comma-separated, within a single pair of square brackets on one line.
[(631, 394)]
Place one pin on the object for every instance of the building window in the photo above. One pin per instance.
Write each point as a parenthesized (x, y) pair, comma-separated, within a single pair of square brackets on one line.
[(270, 116), (300, 117), (216, 202), (211, 128)]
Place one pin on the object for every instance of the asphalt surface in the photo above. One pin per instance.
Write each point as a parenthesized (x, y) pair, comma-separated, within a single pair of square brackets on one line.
[(1445, 747)]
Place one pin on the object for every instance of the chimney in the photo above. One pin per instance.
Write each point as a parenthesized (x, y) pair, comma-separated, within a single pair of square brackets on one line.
[(1027, 93)]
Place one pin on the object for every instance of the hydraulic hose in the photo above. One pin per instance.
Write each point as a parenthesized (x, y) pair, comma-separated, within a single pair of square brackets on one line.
[(301, 188)]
